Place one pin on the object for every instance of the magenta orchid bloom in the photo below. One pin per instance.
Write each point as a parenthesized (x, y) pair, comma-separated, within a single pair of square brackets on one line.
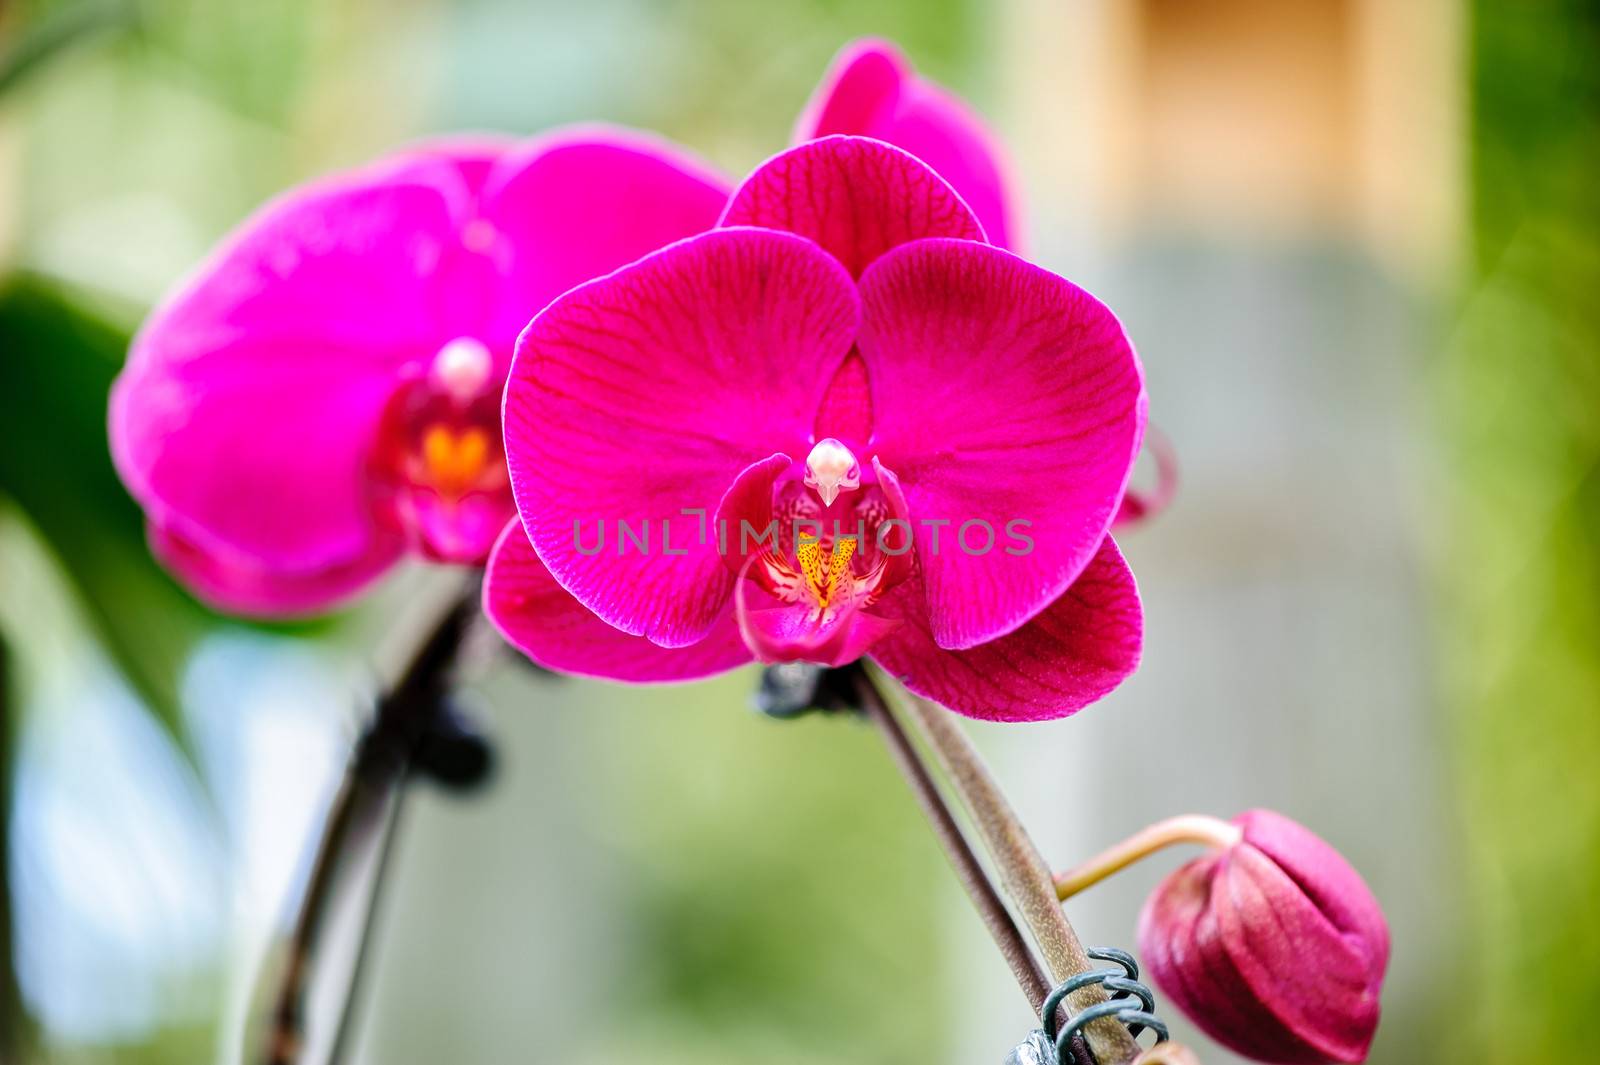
[(1275, 945), (872, 91), (841, 425), (323, 397)]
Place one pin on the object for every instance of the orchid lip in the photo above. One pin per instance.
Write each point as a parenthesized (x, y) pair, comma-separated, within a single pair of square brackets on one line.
[(439, 462), (828, 574), (825, 577)]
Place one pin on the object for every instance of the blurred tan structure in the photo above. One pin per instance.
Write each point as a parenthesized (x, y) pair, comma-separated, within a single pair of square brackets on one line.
[(1277, 117)]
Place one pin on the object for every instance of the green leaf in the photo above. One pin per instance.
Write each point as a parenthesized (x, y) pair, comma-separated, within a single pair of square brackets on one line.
[(55, 375), (53, 34)]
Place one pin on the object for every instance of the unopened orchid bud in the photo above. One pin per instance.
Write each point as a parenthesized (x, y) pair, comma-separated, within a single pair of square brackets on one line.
[(1273, 945)]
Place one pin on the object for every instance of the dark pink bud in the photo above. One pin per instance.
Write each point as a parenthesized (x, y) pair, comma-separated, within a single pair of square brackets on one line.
[(1274, 946)]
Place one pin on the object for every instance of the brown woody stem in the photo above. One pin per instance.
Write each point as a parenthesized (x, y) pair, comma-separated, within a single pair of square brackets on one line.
[(1023, 872), (351, 853), (991, 908)]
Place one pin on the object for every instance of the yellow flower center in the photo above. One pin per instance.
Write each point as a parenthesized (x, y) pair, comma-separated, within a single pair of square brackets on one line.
[(823, 578), (454, 459)]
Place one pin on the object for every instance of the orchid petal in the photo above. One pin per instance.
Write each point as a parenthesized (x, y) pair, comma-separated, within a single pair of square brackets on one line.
[(871, 91), (1011, 406), (542, 620), (856, 197), (578, 203), (1140, 505), (249, 402), (1074, 652), (238, 584), (474, 157)]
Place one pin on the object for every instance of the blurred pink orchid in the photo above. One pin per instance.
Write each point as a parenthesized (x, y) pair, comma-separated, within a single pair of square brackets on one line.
[(322, 397), (845, 355), (872, 91)]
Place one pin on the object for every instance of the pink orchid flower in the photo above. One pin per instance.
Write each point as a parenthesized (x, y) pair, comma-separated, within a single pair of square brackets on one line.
[(1274, 945), (939, 433), (322, 398), (872, 91)]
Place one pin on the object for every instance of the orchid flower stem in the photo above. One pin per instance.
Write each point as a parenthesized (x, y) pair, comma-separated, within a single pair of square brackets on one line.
[(991, 908), (1187, 828), (348, 869), (1022, 870)]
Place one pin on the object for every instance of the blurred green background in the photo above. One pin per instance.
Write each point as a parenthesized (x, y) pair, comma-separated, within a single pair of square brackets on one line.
[(1357, 243)]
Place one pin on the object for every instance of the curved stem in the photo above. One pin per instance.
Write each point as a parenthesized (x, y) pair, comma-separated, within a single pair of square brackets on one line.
[(383, 848), (1186, 828), (356, 834), (16, 1027), (1023, 872), (996, 918)]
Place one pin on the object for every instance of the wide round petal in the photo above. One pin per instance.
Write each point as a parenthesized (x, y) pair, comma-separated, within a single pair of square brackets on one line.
[(1073, 653), (645, 393), (872, 91), (1011, 405), (542, 620), (1274, 946), (856, 197), (255, 450), (580, 202), (345, 261), (237, 584)]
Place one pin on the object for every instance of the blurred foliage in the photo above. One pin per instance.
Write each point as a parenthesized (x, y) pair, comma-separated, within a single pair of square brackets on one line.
[(1520, 394), (54, 381), (42, 38), (784, 901), (13, 1016)]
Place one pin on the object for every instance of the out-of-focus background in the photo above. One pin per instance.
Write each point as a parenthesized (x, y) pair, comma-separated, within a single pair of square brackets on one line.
[(1358, 245)]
